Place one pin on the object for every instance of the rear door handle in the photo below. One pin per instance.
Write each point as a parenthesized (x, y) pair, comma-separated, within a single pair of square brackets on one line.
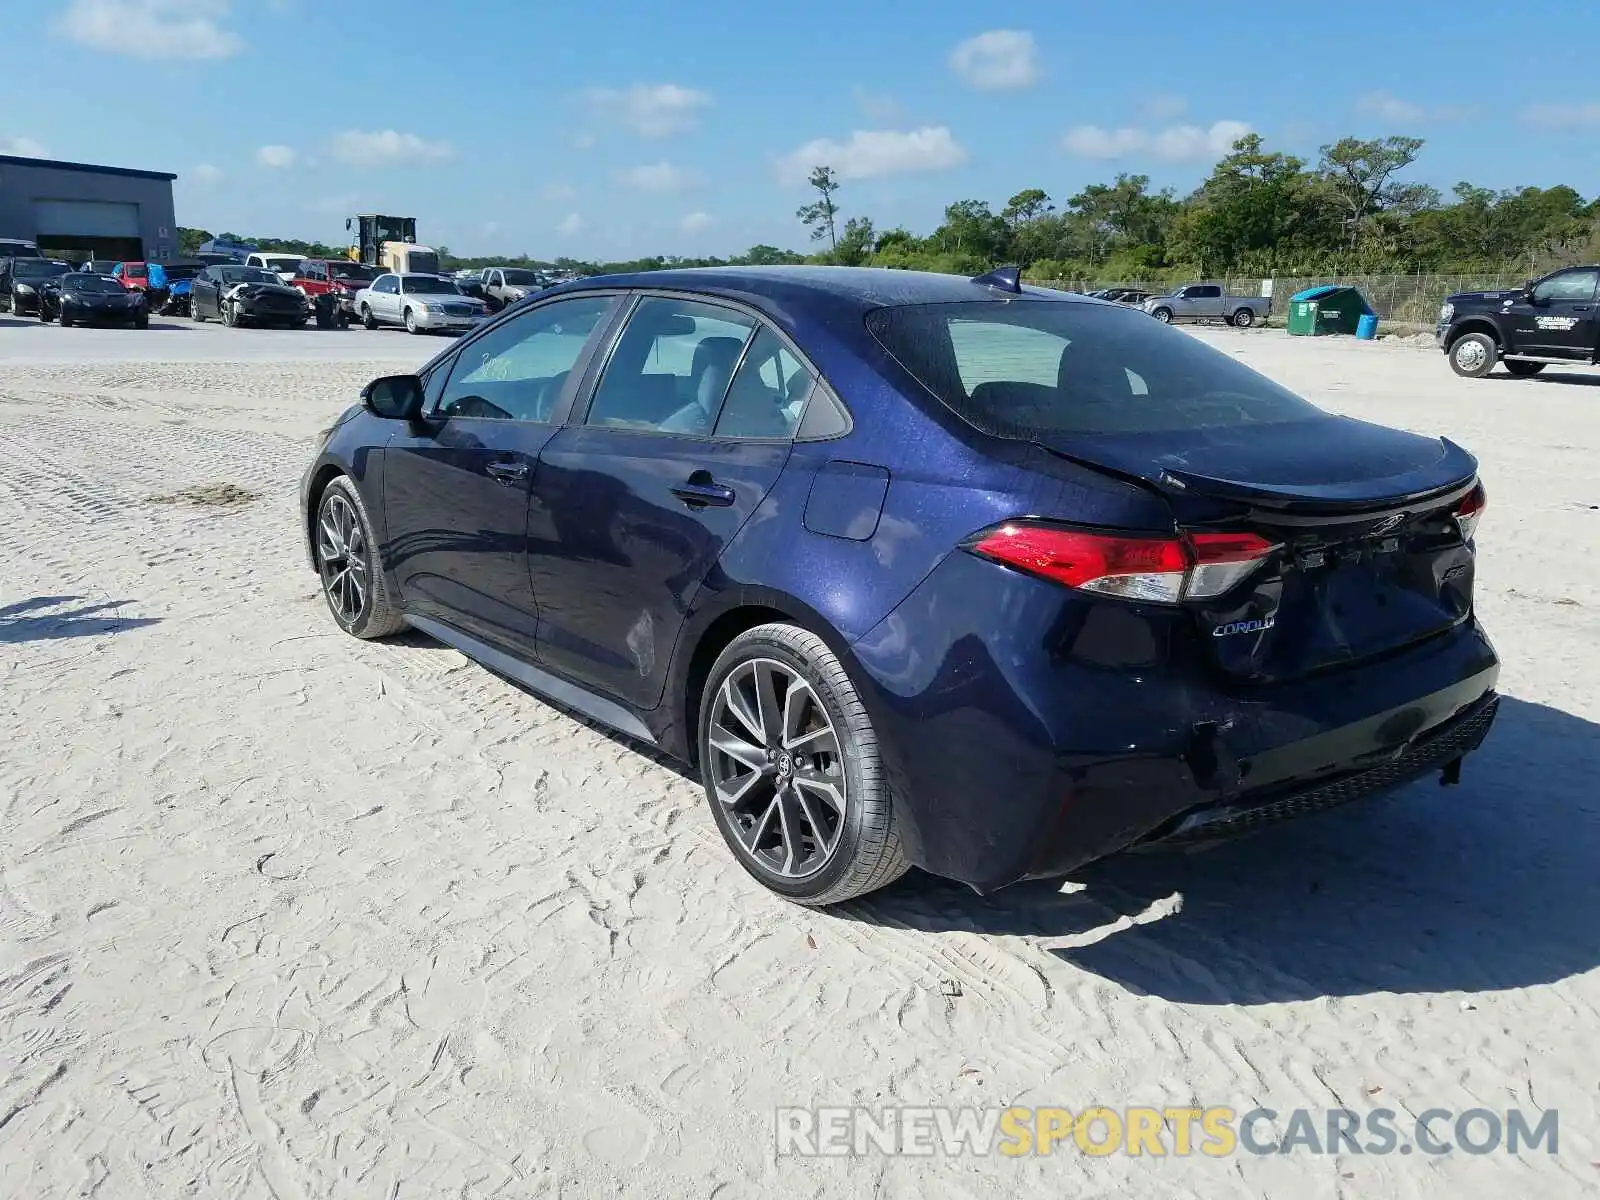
[(700, 490), (507, 472)]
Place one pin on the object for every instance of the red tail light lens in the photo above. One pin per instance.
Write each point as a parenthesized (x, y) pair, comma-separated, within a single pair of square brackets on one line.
[(1164, 570), (1469, 510)]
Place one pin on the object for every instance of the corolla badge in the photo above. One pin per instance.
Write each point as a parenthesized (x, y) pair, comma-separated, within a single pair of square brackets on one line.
[(1388, 523), (1260, 625)]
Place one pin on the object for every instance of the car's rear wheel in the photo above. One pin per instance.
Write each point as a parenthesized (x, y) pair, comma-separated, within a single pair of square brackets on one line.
[(1523, 368), (368, 321), (790, 762), (1243, 319), (1164, 315), (1473, 355), (352, 577)]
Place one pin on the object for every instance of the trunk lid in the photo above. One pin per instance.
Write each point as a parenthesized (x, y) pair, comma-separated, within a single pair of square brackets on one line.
[(1370, 559)]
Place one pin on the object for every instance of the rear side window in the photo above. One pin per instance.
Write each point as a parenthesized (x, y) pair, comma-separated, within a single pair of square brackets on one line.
[(768, 393), (1022, 369)]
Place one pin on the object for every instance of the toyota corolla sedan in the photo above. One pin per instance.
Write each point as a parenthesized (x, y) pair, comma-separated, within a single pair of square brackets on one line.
[(919, 570)]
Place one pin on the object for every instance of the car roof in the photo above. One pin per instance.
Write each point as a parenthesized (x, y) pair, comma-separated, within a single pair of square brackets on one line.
[(860, 288)]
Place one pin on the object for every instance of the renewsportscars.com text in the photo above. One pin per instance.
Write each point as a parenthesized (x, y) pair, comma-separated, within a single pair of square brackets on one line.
[(1215, 1132)]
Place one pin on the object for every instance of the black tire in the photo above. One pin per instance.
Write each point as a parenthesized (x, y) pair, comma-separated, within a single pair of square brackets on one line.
[(867, 853), (1164, 315), (375, 616), (1473, 355), (1243, 319), (44, 317), (141, 322), (368, 321), (1522, 369), (228, 313), (66, 321), (195, 314), (411, 322)]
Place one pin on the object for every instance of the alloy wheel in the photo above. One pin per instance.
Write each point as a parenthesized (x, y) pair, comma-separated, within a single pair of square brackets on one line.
[(1470, 354), (776, 766), (342, 558)]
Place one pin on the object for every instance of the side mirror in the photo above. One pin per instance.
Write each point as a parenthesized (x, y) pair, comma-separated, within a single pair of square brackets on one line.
[(394, 397), (1527, 292)]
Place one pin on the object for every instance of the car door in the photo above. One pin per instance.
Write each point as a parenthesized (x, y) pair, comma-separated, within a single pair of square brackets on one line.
[(1206, 300), (635, 499), (203, 293), (456, 482), (1559, 318)]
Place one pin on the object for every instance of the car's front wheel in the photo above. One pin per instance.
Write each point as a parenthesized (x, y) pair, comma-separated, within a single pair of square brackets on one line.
[(347, 561), (411, 321), (792, 772), (1164, 315), (1473, 355)]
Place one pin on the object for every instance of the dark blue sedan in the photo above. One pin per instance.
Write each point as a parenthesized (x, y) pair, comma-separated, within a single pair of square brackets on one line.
[(917, 569)]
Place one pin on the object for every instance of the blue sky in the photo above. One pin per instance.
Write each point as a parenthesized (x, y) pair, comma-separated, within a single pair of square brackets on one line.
[(628, 127)]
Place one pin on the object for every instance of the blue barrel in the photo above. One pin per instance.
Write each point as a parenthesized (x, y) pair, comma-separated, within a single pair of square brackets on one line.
[(1367, 327)]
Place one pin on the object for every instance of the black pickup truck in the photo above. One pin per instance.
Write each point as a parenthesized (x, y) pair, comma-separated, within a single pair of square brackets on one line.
[(1549, 320)]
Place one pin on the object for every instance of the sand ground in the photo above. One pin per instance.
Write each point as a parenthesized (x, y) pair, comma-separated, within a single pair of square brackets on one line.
[(287, 915)]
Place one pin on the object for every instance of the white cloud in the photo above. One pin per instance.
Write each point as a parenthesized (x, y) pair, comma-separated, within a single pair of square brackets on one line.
[(651, 110), (276, 157), (873, 153), (206, 175), (570, 225), (657, 177), (694, 222), (387, 147), (1163, 106), (151, 28), (490, 227), (23, 147), (559, 191), (1180, 142), (584, 141), (1563, 116), (1389, 107), (1174, 143), (999, 60)]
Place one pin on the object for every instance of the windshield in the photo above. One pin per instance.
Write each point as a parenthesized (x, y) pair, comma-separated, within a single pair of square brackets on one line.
[(40, 268), (91, 283), (248, 275), (522, 278), (343, 270), (430, 283), (1022, 369), (282, 262), (182, 272)]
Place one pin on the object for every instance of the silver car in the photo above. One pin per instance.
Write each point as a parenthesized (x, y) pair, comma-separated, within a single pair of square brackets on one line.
[(421, 303), (1208, 302)]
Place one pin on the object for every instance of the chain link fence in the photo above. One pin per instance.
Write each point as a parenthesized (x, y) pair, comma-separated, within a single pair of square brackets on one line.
[(1413, 299)]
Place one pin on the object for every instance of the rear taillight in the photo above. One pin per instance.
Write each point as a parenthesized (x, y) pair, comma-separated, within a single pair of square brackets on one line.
[(1165, 570), (1468, 512)]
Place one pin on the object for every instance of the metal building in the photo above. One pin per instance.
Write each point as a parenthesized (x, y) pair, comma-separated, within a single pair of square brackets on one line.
[(78, 211)]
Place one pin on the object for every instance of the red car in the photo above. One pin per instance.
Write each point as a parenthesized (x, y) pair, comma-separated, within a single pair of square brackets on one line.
[(139, 277), (336, 277)]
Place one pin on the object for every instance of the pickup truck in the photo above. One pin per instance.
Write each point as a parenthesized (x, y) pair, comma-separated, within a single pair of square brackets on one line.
[(507, 285), (1548, 320), (1208, 302), (337, 277), (284, 266)]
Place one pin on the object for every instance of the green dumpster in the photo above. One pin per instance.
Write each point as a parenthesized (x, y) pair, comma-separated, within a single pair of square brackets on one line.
[(1328, 308)]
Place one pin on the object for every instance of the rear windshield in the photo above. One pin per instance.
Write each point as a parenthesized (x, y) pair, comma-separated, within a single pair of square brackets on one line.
[(1020, 368), (352, 270)]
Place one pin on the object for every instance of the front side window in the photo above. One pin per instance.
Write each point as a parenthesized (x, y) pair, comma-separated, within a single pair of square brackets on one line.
[(671, 367), (1569, 285), (768, 393), (516, 372), (1024, 369)]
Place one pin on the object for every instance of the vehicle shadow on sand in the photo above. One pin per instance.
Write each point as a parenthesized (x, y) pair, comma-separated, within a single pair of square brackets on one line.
[(1486, 886), (48, 618), (1547, 376)]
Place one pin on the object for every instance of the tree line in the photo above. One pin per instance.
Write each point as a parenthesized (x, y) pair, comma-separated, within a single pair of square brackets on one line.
[(1259, 212)]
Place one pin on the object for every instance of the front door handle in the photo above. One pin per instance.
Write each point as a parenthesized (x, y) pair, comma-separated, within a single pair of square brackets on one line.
[(700, 490), (507, 472)]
